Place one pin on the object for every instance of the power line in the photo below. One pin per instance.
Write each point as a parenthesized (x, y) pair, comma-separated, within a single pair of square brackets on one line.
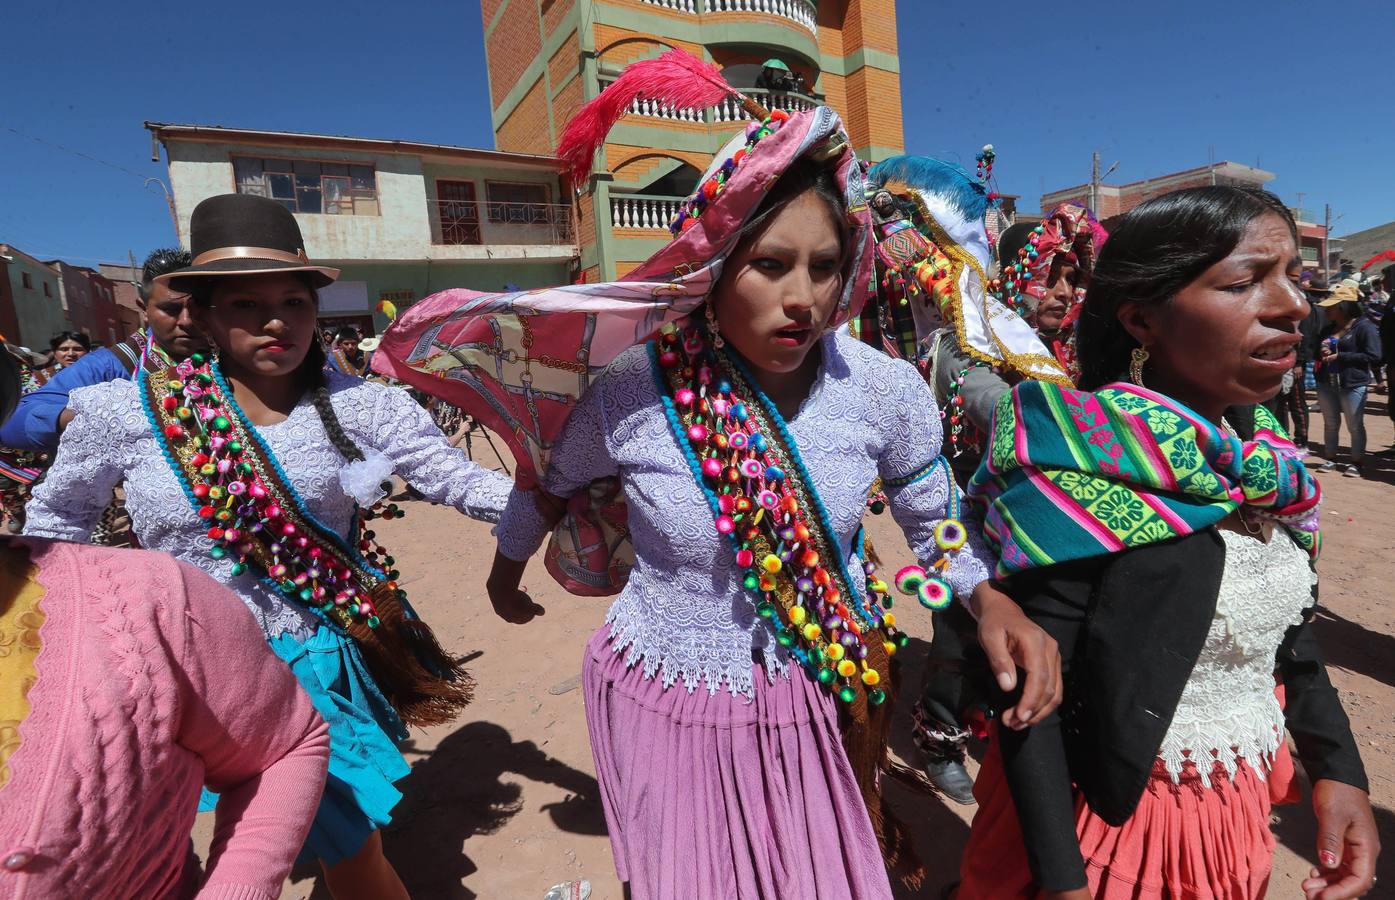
[(77, 153)]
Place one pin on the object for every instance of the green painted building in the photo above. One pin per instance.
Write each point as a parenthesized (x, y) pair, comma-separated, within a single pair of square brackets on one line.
[(31, 304)]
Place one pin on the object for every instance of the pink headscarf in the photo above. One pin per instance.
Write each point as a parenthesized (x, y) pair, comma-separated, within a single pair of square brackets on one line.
[(518, 362)]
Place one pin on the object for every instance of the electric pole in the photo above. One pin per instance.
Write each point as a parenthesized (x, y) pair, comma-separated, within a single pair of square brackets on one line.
[(1095, 182), (1095, 179), (1326, 227)]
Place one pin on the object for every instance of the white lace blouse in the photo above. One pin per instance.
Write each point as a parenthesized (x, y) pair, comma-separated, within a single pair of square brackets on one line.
[(110, 442), (1228, 711), (684, 612)]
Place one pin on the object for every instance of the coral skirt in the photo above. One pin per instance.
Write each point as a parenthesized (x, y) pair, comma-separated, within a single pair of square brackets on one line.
[(1186, 841), (713, 796)]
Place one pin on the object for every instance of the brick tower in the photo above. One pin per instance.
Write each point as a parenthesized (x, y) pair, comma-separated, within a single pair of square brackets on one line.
[(548, 57)]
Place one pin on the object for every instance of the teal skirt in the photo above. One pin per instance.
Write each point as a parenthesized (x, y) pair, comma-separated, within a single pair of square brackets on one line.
[(364, 762)]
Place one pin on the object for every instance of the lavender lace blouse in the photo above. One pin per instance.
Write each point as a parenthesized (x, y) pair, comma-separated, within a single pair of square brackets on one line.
[(110, 442), (684, 614)]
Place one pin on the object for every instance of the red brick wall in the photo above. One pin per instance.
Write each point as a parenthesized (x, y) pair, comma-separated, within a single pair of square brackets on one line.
[(637, 45), (618, 155), (873, 113), (870, 23), (555, 12), (514, 44), (565, 105), (526, 129), (565, 61), (488, 9)]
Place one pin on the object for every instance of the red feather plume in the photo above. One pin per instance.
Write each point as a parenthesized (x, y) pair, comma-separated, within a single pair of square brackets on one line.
[(676, 79), (1384, 254)]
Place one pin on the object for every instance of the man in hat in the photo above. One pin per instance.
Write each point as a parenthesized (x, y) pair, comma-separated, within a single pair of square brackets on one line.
[(345, 354), (168, 337)]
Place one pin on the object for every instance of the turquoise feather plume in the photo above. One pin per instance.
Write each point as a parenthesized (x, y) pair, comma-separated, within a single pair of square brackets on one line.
[(932, 176)]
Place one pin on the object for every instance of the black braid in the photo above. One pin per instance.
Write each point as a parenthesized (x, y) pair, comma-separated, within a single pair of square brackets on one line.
[(314, 370)]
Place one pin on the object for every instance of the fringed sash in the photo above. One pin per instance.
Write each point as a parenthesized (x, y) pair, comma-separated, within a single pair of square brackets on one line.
[(1073, 474), (256, 517)]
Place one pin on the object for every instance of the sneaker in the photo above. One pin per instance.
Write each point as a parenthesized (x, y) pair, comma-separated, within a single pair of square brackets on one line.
[(952, 780), (1352, 471), (1328, 466)]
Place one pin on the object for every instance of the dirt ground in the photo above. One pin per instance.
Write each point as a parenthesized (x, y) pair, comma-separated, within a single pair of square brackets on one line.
[(504, 803)]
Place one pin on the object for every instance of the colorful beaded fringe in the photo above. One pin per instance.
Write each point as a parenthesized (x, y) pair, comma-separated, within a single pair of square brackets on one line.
[(253, 513), (692, 207), (742, 455)]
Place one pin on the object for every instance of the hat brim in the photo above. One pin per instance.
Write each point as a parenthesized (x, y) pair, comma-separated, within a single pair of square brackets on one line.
[(182, 279)]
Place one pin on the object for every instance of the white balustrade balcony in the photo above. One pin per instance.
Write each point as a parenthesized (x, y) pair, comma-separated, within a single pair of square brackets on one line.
[(731, 111), (655, 110), (687, 6), (727, 111), (799, 11), (643, 211)]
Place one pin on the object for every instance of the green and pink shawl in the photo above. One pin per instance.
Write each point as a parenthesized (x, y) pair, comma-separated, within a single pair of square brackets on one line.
[(1073, 474)]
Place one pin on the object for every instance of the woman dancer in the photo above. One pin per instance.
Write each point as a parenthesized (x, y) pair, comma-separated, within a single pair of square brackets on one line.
[(745, 436), (1164, 533), (258, 467)]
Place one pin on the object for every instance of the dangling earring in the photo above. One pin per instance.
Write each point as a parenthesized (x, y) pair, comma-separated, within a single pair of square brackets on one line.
[(711, 315), (1136, 361)]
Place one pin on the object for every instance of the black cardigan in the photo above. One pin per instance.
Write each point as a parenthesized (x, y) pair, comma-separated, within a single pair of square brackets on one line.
[(1130, 627)]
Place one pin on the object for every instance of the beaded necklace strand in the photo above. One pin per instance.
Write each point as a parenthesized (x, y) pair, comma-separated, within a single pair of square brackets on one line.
[(763, 500), (252, 510)]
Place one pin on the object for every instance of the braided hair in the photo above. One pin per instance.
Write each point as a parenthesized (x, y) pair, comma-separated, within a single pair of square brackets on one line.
[(311, 371)]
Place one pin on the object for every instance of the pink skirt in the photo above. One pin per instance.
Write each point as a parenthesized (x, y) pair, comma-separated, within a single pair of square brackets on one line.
[(1184, 842), (711, 795)]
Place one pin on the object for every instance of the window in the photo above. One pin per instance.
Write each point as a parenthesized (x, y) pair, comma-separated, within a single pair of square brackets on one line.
[(47, 291), (27, 280), (510, 202), (458, 212), (307, 186)]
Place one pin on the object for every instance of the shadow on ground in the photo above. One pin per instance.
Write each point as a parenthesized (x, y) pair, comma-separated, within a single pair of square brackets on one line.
[(939, 833), (460, 790), (1356, 648)]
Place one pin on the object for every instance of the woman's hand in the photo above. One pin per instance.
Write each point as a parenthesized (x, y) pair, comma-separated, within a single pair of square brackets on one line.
[(1347, 843), (511, 603), (1012, 641)]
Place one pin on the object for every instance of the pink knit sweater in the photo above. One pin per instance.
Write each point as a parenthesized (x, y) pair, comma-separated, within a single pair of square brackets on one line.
[(152, 680)]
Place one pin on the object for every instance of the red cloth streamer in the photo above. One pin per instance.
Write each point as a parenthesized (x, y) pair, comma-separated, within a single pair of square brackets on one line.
[(1384, 254), (676, 79)]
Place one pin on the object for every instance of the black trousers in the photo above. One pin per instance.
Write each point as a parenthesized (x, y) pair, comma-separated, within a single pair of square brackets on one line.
[(950, 674), (1291, 409)]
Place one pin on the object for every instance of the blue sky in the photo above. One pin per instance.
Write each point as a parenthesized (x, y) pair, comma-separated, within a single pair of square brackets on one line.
[(1293, 87)]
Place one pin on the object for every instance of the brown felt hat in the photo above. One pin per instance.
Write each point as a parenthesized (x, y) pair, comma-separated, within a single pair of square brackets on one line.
[(239, 234)]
